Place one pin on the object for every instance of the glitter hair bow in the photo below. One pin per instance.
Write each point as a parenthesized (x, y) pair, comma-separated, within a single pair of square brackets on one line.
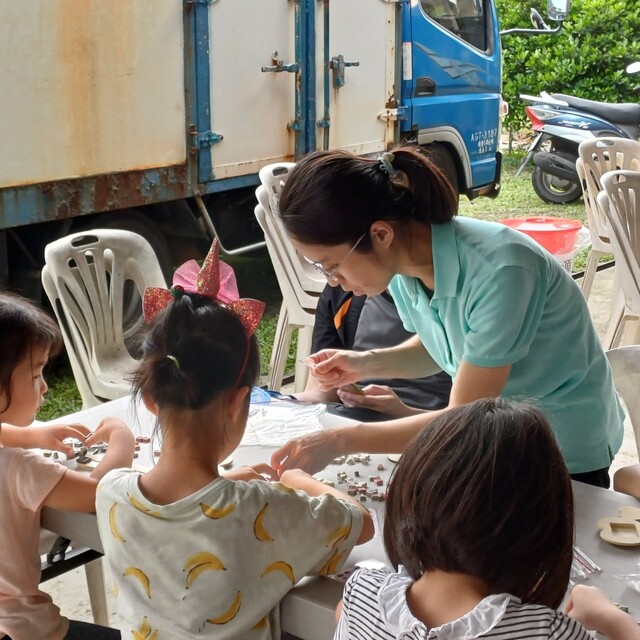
[(215, 280)]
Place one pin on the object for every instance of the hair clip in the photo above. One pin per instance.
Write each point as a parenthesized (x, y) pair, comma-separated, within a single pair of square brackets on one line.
[(385, 163), (175, 361)]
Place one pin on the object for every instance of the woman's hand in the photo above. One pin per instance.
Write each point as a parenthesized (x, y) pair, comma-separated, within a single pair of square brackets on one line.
[(378, 398), (334, 368), (310, 453)]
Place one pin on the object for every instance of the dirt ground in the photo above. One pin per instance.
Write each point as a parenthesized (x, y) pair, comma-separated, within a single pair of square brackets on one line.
[(69, 591)]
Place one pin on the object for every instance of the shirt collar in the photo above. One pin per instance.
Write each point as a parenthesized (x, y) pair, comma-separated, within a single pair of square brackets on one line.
[(446, 262)]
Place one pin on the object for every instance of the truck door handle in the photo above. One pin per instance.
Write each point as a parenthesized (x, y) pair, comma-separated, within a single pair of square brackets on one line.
[(278, 66), (337, 65)]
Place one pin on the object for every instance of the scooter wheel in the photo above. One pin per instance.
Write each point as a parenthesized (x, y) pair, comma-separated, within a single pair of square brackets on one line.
[(553, 189)]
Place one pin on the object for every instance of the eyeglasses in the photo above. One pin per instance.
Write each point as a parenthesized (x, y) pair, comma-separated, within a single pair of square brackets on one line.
[(331, 275)]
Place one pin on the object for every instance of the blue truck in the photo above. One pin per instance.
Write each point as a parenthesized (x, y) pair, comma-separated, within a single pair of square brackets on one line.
[(156, 115)]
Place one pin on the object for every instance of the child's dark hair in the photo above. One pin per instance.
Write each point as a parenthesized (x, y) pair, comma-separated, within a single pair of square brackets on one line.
[(195, 349), (333, 197), (23, 328), (484, 491)]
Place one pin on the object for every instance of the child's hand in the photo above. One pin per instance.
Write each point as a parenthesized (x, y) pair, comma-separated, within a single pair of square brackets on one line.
[(52, 437), (256, 472), (106, 429), (594, 611)]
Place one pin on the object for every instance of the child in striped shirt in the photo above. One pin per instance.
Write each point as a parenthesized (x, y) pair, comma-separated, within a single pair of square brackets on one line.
[(479, 526)]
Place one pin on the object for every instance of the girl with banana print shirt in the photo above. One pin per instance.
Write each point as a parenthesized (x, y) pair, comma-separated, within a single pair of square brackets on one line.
[(195, 554)]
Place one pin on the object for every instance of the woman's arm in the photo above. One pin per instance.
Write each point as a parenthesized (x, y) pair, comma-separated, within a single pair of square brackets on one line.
[(334, 368), (315, 451)]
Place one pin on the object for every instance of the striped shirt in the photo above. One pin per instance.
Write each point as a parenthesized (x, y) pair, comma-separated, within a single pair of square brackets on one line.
[(375, 608)]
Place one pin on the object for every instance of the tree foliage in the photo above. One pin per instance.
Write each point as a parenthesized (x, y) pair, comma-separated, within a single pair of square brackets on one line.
[(587, 58)]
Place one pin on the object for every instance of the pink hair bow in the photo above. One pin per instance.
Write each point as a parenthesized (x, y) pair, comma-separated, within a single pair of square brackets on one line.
[(215, 280)]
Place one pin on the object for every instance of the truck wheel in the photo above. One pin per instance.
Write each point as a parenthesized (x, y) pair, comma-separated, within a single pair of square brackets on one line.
[(441, 156), (553, 189)]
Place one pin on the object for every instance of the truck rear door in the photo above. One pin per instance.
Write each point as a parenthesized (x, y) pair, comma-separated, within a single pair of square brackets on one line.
[(355, 53), (253, 110), (81, 92)]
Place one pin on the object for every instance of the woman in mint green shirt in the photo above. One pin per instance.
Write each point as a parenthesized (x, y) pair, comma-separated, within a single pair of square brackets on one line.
[(486, 303)]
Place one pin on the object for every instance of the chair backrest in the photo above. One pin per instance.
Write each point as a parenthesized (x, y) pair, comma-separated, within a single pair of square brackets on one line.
[(273, 178), (597, 157), (620, 201), (625, 364), (286, 273), (95, 281)]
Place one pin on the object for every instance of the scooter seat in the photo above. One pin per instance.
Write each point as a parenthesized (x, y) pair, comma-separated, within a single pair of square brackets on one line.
[(619, 113)]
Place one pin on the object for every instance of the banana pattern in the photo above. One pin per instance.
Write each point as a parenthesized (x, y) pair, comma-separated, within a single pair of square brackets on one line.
[(216, 514), (258, 527), (261, 624), (246, 530), (282, 566), (332, 564), (112, 524), (144, 632), (230, 613), (200, 562), (339, 536), (141, 576), (136, 504)]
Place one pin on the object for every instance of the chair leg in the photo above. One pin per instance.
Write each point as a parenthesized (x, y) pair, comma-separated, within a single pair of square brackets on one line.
[(616, 322), (305, 334), (280, 350), (590, 272), (97, 593)]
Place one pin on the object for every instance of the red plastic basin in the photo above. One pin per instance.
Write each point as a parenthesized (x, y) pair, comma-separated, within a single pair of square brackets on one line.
[(557, 235)]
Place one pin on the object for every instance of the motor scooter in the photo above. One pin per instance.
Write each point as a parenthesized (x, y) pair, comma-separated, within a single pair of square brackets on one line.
[(561, 123)]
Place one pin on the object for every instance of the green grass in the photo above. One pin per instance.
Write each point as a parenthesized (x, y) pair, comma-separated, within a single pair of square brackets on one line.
[(256, 278)]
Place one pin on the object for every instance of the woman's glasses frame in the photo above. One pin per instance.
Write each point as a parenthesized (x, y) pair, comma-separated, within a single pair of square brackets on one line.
[(331, 275)]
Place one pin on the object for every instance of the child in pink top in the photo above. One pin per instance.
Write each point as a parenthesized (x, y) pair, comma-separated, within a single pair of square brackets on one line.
[(28, 481)]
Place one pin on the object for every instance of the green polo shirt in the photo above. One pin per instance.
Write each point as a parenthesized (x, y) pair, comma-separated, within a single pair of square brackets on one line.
[(501, 299)]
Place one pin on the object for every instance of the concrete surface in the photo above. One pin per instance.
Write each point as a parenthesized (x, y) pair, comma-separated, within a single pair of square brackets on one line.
[(69, 591)]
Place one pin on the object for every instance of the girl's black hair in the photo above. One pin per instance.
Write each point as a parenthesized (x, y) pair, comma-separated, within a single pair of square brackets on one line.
[(484, 491), (195, 349), (333, 197), (23, 328)]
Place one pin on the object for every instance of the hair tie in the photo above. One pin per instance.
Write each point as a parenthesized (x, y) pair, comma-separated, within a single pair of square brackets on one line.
[(385, 163), (177, 291), (175, 361)]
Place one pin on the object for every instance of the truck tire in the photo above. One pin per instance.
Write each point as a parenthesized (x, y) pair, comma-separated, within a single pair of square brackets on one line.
[(553, 189), (440, 155)]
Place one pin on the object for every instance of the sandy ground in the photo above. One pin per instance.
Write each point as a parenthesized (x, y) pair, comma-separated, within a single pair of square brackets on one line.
[(69, 591)]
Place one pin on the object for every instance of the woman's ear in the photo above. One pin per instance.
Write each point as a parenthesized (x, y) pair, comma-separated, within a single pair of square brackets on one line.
[(151, 405), (382, 234)]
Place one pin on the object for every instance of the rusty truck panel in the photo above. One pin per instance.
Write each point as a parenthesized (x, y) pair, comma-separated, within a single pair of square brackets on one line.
[(90, 88)]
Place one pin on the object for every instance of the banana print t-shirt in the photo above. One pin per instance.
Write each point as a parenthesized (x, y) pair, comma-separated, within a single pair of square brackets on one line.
[(217, 563)]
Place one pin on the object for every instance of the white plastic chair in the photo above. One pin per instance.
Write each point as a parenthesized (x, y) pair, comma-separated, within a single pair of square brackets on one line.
[(299, 283), (95, 281), (620, 202), (598, 156), (625, 365)]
